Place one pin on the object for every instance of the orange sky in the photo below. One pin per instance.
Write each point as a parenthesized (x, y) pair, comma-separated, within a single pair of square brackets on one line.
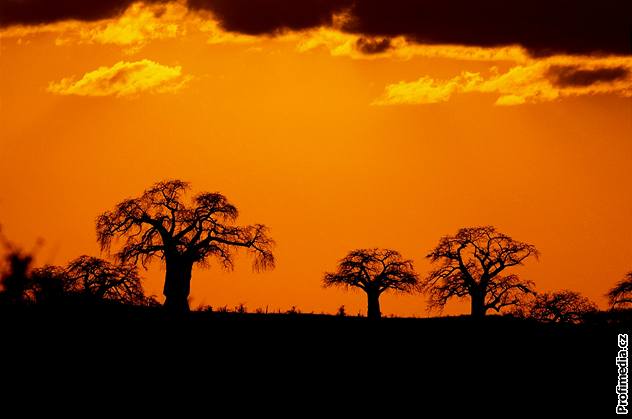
[(301, 134)]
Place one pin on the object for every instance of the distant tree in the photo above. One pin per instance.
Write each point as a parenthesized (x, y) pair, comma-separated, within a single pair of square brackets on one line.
[(160, 224), (87, 277), (90, 279), (621, 294), (557, 307), (98, 279), (374, 271), (473, 264), (14, 280), (49, 284), (293, 311)]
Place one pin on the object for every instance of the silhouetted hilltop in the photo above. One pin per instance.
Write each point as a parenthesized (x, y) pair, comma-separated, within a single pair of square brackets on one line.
[(482, 362)]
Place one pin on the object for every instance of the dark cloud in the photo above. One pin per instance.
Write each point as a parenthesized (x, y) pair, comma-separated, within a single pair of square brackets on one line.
[(373, 45), (32, 12), (544, 27), (573, 76), (257, 17)]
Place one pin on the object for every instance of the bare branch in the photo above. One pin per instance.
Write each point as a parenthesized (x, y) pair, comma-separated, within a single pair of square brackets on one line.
[(621, 294)]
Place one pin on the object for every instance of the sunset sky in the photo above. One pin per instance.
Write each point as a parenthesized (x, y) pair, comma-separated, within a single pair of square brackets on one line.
[(339, 124)]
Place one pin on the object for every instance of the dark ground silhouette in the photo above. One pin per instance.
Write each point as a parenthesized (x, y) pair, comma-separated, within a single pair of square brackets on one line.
[(454, 364)]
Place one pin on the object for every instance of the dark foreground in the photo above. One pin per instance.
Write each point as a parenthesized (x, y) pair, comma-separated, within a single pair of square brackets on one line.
[(450, 366)]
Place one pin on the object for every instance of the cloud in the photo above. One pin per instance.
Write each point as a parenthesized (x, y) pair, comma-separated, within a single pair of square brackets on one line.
[(565, 76), (423, 90), (142, 23), (133, 29), (216, 35), (345, 44), (123, 79), (542, 27), (265, 17), (34, 12), (373, 45), (137, 25), (527, 39), (539, 81)]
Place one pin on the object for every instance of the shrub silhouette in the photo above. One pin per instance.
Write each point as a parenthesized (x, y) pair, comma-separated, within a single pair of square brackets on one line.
[(49, 285), (88, 279), (556, 307), (15, 282), (98, 279)]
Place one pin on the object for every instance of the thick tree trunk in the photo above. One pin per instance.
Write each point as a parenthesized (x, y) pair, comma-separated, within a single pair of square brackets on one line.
[(373, 311), (478, 304), (177, 284)]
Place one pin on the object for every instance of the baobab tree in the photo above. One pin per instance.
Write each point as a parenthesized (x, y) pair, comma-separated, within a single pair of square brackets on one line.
[(621, 294), (473, 264), (374, 271), (557, 307), (161, 224)]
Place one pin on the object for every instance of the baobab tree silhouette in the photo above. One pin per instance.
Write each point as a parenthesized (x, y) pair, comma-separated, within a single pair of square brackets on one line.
[(473, 263), (160, 224), (374, 271)]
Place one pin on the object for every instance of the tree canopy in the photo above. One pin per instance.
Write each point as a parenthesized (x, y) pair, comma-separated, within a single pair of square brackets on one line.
[(163, 224), (374, 271), (621, 294), (472, 263)]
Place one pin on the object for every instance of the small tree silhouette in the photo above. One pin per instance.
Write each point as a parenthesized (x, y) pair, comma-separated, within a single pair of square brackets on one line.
[(98, 279), (89, 279), (621, 294), (159, 224), (472, 265), (15, 283), (374, 271), (49, 284), (557, 307)]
